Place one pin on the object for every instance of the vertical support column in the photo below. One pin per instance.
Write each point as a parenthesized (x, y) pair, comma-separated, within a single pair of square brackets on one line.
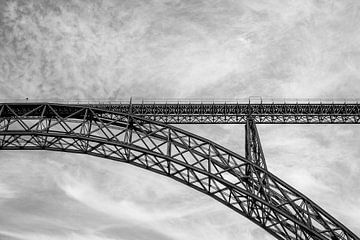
[(253, 149), (129, 129), (258, 181)]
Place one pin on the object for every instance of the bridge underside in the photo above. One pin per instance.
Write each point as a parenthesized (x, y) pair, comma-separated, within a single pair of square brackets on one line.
[(241, 183)]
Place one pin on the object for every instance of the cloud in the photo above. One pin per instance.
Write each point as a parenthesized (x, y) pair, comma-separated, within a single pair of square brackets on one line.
[(85, 196), (115, 49), (6, 192), (160, 217), (84, 192), (158, 49), (318, 160), (32, 236)]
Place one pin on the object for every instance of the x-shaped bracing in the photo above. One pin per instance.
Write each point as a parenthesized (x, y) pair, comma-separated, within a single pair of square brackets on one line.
[(242, 183)]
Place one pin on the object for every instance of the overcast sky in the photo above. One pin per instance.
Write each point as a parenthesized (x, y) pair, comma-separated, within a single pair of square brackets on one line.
[(203, 49)]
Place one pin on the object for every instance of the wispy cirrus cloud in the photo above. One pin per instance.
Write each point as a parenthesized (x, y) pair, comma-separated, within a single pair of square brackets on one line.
[(33, 236), (178, 49), (6, 192), (115, 49)]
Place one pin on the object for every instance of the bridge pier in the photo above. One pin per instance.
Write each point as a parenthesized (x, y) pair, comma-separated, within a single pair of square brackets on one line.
[(253, 149)]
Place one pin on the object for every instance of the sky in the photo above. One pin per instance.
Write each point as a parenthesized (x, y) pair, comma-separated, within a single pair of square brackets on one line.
[(78, 49)]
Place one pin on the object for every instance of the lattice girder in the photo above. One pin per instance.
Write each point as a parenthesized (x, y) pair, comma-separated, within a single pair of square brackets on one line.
[(235, 113), (195, 161)]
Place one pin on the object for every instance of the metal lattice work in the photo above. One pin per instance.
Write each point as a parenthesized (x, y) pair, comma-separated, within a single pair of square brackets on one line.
[(253, 149), (243, 185), (233, 113)]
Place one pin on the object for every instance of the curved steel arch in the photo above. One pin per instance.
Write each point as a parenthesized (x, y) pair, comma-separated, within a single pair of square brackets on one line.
[(233, 180)]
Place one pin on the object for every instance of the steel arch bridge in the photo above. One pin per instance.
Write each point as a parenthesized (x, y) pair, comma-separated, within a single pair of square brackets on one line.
[(241, 183)]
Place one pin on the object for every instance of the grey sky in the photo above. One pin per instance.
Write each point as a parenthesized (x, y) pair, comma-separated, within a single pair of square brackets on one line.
[(233, 49)]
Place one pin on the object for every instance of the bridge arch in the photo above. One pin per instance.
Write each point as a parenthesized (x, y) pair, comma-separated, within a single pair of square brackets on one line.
[(241, 185)]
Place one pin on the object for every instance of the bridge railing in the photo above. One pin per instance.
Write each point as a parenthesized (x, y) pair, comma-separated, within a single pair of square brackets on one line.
[(251, 100)]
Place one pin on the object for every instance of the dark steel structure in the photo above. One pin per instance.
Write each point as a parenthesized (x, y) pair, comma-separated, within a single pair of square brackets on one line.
[(235, 113), (127, 134)]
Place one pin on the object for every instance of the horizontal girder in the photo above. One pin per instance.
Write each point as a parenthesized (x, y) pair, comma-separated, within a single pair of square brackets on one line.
[(233, 113), (233, 180)]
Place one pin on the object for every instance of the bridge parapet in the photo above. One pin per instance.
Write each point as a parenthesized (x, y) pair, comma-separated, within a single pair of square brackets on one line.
[(250, 100)]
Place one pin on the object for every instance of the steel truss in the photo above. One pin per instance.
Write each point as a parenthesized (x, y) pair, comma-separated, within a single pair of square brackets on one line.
[(233, 113), (244, 185)]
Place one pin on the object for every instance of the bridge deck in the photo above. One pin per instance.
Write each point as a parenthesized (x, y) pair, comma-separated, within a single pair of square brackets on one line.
[(222, 113), (238, 113)]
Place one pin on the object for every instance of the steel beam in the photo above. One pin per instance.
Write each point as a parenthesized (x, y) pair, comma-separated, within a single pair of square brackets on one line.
[(231, 113)]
